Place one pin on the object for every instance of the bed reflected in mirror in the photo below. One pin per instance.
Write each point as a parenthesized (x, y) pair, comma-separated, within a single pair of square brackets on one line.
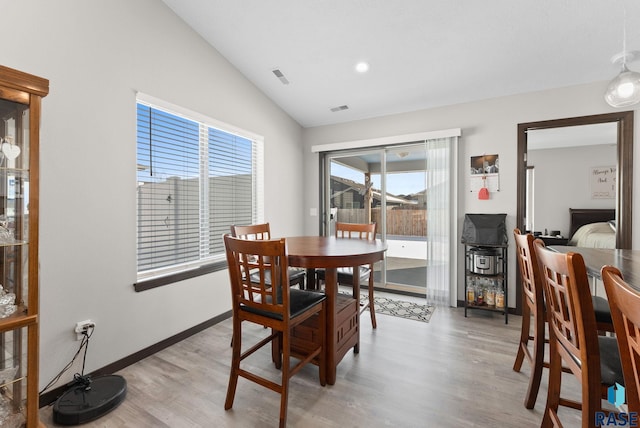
[(592, 228)]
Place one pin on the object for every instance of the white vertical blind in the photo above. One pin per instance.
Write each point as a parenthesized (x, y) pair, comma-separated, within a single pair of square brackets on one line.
[(440, 191), (194, 181)]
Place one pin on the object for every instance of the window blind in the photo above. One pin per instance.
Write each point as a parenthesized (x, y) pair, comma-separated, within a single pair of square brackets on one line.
[(194, 182)]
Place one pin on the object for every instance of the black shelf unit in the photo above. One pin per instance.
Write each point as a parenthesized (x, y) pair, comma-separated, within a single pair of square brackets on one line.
[(496, 278)]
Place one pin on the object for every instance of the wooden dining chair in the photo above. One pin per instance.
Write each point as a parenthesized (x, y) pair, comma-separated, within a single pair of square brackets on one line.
[(263, 231), (533, 314), (573, 337), (345, 274), (274, 305), (625, 311)]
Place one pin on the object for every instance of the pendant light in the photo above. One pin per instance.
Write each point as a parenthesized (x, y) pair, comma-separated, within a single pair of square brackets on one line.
[(624, 90)]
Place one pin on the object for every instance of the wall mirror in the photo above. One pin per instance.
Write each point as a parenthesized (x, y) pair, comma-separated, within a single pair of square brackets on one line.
[(622, 143)]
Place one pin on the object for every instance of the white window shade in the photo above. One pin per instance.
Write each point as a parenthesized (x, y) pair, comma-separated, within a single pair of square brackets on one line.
[(194, 182), (231, 184)]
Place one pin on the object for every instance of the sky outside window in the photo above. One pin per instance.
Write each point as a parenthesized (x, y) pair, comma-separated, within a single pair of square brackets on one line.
[(404, 183)]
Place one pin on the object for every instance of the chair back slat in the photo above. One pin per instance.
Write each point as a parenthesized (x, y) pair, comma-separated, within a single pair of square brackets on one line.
[(252, 232), (624, 301), (257, 269), (356, 230)]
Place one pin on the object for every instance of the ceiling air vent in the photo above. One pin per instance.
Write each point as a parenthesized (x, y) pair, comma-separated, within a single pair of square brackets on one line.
[(339, 108), (280, 76)]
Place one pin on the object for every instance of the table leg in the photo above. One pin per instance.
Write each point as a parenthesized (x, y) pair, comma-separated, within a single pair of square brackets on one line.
[(311, 279), (331, 291), (356, 295)]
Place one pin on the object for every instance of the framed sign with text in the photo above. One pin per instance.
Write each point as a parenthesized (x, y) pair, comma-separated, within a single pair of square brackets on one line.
[(603, 182)]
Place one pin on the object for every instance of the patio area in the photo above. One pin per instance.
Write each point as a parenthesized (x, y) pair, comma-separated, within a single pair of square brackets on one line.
[(406, 260)]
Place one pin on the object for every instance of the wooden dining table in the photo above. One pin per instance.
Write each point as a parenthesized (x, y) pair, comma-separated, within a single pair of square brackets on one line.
[(343, 311), (627, 261)]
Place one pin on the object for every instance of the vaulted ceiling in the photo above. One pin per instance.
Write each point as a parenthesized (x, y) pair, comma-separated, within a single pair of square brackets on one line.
[(422, 53)]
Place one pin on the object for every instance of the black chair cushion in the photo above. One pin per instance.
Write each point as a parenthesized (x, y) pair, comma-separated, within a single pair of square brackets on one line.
[(299, 301), (345, 274), (602, 310), (610, 366), (294, 276)]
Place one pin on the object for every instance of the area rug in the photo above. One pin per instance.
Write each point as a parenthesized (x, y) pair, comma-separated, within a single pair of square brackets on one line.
[(400, 308)]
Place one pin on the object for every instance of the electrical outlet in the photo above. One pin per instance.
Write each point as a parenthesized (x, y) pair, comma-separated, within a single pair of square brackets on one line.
[(82, 327)]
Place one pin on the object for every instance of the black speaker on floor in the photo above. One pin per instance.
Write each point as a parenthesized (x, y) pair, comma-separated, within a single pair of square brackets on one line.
[(86, 401)]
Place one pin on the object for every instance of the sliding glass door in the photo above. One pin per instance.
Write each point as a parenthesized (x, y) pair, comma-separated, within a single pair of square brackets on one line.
[(406, 190), (385, 186), (405, 218)]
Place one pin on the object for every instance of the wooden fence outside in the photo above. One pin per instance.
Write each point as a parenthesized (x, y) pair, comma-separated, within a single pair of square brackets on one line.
[(399, 222)]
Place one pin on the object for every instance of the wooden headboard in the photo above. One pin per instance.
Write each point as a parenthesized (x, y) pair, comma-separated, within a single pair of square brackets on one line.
[(581, 216)]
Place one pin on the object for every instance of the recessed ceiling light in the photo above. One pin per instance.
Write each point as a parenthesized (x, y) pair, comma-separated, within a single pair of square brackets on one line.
[(362, 67)]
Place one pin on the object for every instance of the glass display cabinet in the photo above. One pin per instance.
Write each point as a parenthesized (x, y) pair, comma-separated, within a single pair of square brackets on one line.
[(20, 101)]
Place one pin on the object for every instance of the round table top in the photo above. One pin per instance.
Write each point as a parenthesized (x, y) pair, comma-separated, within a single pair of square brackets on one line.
[(332, 252)]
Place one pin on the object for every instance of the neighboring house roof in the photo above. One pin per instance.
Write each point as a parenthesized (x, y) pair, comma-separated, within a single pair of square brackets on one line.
[(376, 193)]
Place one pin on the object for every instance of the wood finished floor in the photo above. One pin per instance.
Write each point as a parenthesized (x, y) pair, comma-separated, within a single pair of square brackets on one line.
[(451, 372)]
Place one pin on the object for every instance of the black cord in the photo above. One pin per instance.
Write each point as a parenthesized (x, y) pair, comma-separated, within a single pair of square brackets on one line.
[(81, 379), (77, 378)]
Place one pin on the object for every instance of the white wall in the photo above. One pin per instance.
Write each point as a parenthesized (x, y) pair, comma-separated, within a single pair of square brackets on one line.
[(97, 54), (488, 127), (563, 181)]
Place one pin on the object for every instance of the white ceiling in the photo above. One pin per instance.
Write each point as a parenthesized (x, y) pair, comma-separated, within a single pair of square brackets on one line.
[(423, 53)]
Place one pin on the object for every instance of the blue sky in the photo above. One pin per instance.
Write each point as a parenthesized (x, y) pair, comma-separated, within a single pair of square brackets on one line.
[(397, 184)]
